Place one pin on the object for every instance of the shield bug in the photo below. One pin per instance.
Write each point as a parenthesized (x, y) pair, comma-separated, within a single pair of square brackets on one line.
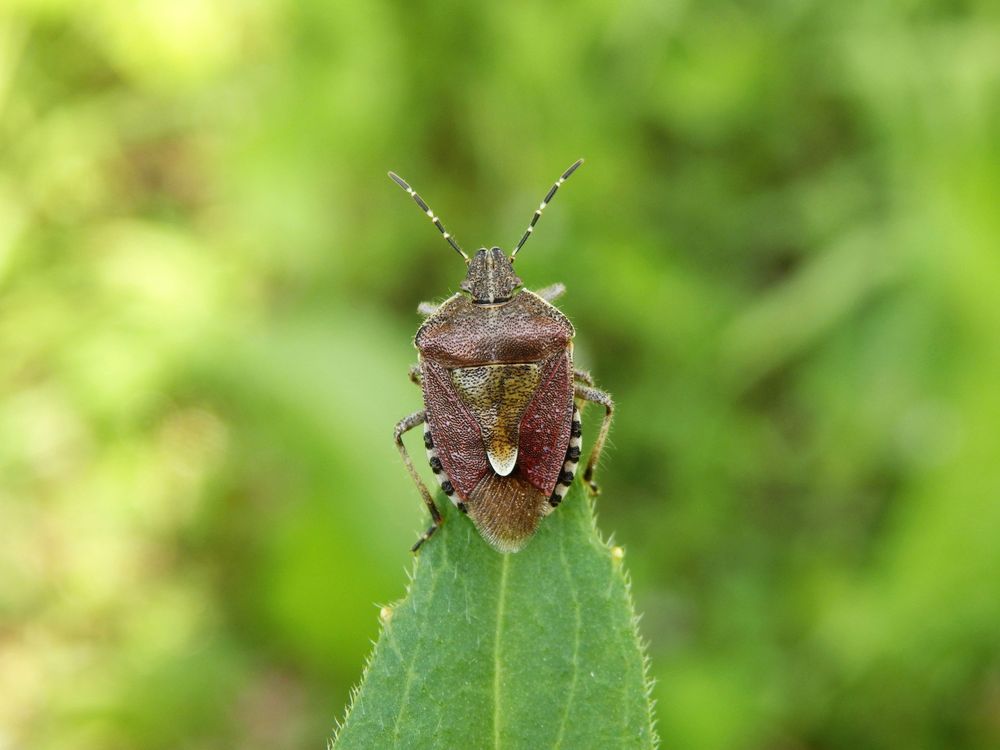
[(502, 400)]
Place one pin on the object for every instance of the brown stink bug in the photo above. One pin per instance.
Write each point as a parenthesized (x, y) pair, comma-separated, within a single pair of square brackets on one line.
[(502, 399)]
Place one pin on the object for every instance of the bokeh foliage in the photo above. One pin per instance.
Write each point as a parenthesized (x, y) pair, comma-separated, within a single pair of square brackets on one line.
[(782, 258)]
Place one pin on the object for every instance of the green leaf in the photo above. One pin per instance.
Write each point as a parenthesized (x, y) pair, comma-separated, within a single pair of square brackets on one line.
[(537, 649)]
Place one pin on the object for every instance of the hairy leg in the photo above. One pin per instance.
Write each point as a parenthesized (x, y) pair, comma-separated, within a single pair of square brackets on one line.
[(415, 375), (402, 427), (427, 308), (596, 396), (552, 292)]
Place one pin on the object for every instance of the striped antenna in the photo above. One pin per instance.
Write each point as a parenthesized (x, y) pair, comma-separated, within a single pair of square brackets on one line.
[(545, 202), (427, 210)]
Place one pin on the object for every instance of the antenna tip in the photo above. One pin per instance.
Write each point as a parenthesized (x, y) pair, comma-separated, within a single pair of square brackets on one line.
[(572, 169)]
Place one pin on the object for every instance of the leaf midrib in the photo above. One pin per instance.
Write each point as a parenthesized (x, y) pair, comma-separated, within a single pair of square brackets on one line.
[(497, 662)]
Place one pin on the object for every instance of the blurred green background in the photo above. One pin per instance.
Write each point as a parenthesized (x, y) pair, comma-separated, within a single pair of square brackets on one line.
[(782, 256)]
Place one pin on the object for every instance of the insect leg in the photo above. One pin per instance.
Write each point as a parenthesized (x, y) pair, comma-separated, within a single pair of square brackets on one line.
[(596, 396), (583, 376), (415, 375), (402, 427), (427, 308), (552, 292)]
